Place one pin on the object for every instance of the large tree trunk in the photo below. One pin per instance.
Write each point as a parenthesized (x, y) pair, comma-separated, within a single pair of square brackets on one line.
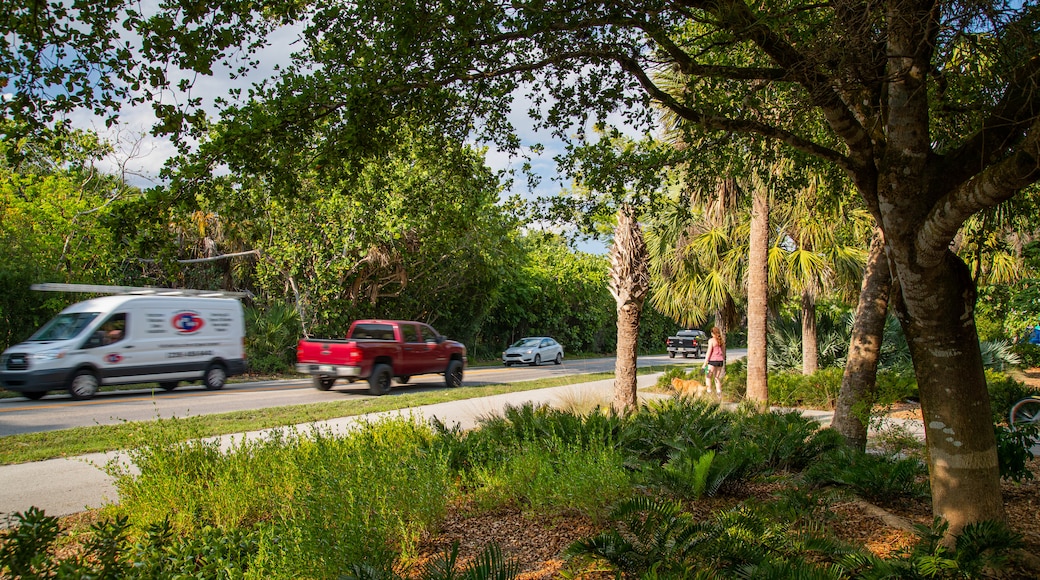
[(810, 344), (629, 284), (758, 294), (936, 309), (859, 383)]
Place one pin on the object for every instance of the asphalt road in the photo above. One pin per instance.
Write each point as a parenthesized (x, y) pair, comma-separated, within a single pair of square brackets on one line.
[(58, 411)]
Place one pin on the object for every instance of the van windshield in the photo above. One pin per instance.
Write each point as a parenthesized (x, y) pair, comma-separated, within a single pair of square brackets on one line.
[(64, 326)]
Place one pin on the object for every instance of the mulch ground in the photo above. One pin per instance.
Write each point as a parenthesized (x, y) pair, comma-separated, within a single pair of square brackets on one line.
[(537, 543)]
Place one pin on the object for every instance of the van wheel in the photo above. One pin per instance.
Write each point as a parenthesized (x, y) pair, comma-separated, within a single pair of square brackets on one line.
[(324, 383), (168, 385), (379, 382), (84, 385), (453, 375), (34, 395), (403, 380), (215, 377)]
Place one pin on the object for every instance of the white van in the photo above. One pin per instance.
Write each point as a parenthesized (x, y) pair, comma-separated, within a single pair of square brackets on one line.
[(124, 339)]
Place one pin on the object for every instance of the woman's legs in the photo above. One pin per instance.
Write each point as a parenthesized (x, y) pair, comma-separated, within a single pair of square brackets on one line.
[(716, 377)]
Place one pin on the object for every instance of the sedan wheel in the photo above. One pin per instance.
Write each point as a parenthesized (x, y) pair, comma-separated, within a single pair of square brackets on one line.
[(537, 360), (559, 358)]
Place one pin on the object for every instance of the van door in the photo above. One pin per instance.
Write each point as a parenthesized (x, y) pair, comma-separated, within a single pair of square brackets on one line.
[(111, 349)]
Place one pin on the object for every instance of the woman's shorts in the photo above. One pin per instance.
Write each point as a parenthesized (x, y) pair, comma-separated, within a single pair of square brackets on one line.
[(716, 363)]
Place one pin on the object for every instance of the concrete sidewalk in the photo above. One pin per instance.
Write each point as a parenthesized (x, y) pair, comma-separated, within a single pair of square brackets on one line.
[(67, 486)]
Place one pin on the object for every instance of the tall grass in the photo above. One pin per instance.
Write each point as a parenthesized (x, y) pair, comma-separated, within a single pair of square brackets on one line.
[(321, 501)]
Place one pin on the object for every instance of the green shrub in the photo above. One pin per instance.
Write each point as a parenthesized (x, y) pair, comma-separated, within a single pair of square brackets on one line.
[(271, 337), (1029, 353), (653, 539), (875, 477), (793, 389), (1015, 450), (549, 476), (27, 550), (734, 383), (1004, 392), (786, 440), (895, 385), (663, 429)]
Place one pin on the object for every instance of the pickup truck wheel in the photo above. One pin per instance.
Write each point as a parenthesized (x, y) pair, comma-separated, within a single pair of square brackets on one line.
[(671, 354), (697, 352), (84, 385), (215, 377), (559, 358), (324, 383), (403, 380), (537, 360), (686, 355), (453, 375), (379, 382)]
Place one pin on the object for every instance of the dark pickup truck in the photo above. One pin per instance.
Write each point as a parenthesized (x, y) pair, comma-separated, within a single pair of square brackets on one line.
[(687, 341), (379, 351)]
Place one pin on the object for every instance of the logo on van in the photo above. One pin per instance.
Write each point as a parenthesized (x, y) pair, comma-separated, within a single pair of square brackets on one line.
[(113, 357), (187, 322)]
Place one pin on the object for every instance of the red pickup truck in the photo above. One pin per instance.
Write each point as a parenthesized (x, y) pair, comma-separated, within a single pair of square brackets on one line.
[(381, 350)]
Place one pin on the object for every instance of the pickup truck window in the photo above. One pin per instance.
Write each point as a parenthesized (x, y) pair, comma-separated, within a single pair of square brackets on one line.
[(409, 333), (428, 333), (376, 331)]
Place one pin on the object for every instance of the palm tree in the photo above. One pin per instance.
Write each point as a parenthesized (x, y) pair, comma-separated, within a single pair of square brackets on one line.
[(629, 284), (825, 238)]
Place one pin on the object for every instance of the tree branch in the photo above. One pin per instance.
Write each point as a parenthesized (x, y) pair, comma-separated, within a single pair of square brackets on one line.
[(994, 185)]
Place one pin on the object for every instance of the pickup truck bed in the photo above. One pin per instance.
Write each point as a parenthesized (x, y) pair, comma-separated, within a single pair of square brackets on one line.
[(687, 342)]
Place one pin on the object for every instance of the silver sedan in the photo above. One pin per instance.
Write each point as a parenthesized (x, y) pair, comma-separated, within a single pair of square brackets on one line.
[(533, 350)]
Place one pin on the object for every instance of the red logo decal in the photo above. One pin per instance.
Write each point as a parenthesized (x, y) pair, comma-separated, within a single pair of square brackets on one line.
[(187, 322), (113, 357)]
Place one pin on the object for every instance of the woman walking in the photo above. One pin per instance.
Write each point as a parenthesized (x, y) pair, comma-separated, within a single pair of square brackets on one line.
[(715, 361)]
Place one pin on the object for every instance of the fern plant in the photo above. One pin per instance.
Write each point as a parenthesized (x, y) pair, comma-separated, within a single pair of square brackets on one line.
[(692, 476), (875, 477)]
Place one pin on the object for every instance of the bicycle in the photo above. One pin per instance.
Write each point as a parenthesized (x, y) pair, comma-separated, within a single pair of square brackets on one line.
[(1025, 412)]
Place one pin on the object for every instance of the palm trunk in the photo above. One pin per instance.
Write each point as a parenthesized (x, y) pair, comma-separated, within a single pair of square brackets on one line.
[(629, 284), (810, 342), (757, 309), (859, 383)]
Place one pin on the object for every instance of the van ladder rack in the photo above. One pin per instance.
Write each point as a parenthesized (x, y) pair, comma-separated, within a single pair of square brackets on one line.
[(137, 290)]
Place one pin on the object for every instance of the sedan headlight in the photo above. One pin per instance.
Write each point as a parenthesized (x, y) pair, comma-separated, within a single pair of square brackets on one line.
[(47, 355)]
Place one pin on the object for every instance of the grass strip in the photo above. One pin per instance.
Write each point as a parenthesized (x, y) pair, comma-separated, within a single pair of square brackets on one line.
[(28, 447)]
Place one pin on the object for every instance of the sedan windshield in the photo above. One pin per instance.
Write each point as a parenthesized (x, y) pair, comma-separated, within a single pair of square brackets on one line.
[(526, 342), (64, 326)]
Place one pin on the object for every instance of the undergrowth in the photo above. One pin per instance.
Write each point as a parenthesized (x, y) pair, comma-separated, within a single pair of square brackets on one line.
[(357, 505)]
